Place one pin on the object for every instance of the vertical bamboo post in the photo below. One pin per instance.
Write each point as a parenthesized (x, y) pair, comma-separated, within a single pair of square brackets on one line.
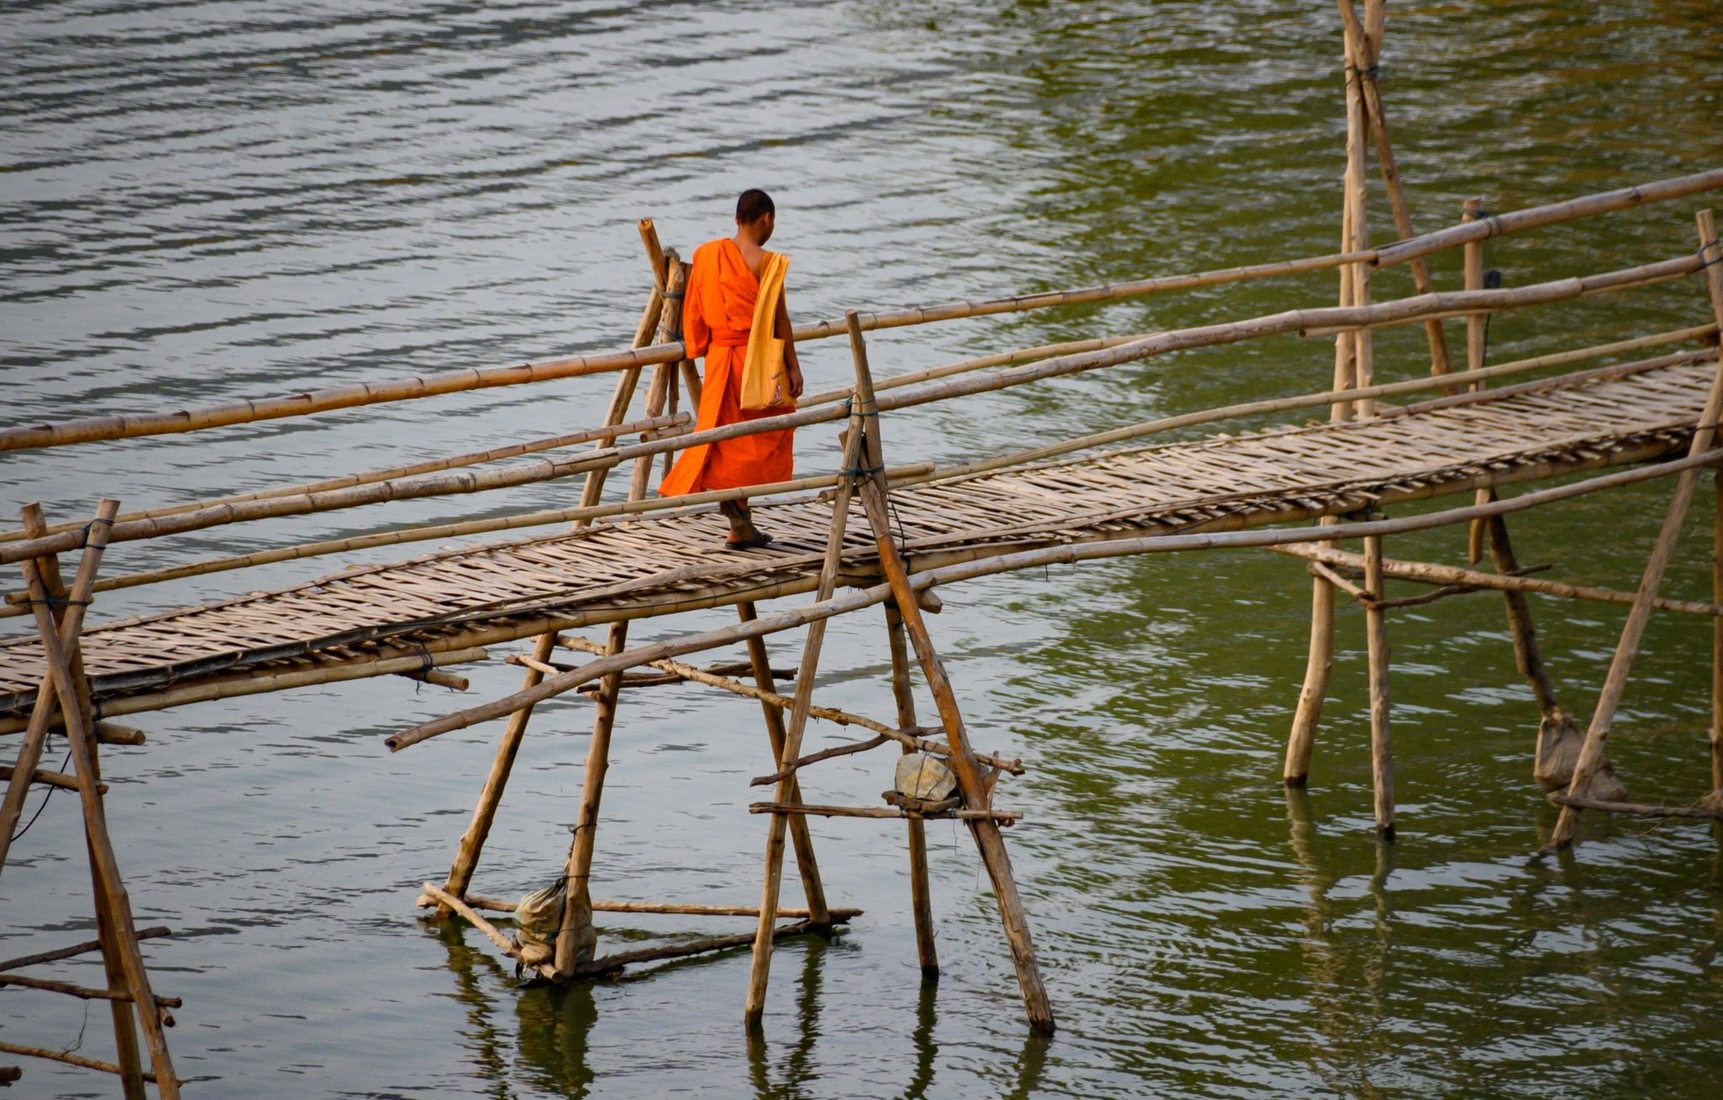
[(1476, 331), (1301, 739), (1357, 224), (819, 914), (970, 783), (126, 1050), (113, 889), (921, 897), (669, 330), (1704, 434), (1376, 639), (485, 812), (1377, 119), (786, 791), (574, 937)]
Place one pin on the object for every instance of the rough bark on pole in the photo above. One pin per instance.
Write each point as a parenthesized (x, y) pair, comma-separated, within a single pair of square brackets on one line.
[(1597, 733), (508, 747), (800, 838), (920, 894), (125, 1034), (1381, 743), (123, 931), (787, 791), (973, 787)]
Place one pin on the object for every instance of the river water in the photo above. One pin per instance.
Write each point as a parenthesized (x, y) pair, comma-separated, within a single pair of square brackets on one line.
[(204, 201)]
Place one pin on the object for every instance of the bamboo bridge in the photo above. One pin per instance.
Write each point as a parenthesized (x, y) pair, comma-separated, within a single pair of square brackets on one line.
[(889, 531)]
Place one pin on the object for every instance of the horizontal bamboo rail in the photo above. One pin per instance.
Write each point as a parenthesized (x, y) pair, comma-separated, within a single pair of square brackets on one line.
[(495, 454), (70, 1059), (1402, 311), (76, 949), (1536, 217), (253, 410), (1002, 817), (906, 738), (503, 905), (1702, 811), (1069, 554), (1431, 573)]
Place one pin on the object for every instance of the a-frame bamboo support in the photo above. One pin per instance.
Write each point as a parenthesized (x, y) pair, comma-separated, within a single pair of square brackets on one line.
[(60, 617)]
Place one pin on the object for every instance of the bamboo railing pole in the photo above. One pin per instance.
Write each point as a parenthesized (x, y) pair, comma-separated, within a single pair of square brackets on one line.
[(1377, 118), (508, 746), (807, 866), (975, 790), (669, 330), (787, 791), (125, 1034), (369, 477), (910, 474), (1473, 253), (1381, 741), (920, 894), (1716, 738), (575, 939), (1591, 753), (1345, 365), (1536, 217), (124, 932), (1402, 311)]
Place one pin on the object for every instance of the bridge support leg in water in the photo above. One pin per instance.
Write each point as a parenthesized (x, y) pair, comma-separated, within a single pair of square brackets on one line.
[(1376, 641), (1597, 733), (921, 900), (974, 788)]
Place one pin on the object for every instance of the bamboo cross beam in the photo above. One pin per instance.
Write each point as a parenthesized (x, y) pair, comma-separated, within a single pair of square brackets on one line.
[(1430, 573), (503, 905), (1000, 817), (1703, 810), (83, 993), (75, 950), (69, 1059)]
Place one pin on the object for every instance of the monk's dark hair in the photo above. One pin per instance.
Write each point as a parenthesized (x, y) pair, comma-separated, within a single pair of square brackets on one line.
[(753, 205)]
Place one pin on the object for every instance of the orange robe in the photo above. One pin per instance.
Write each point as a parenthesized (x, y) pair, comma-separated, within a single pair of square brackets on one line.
[(717, 313)]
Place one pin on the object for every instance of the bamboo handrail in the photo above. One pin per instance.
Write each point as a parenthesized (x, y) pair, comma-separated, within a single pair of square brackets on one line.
[(1301, 321), (474, 458), (257, 409), (1536, 217)]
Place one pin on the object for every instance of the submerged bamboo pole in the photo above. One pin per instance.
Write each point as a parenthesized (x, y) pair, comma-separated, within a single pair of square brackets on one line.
[(787, 791), (1591, 756), (920, 893)]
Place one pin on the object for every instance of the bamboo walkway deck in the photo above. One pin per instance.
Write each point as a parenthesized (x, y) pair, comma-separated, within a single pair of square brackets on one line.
[(487, 594)]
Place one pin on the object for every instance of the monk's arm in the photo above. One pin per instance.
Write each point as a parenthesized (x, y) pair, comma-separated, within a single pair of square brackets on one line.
[(783, 331)]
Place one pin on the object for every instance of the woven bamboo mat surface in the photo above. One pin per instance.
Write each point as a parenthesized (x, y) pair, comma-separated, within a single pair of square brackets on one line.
[(485, 594)]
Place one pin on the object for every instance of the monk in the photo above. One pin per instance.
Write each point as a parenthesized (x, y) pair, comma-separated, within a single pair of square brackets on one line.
[(718, 321)]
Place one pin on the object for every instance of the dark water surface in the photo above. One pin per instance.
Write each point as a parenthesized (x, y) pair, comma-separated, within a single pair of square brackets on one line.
[(204, 201)]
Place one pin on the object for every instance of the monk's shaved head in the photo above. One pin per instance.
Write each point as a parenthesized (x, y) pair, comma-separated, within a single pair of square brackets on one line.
[(753, 205)]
